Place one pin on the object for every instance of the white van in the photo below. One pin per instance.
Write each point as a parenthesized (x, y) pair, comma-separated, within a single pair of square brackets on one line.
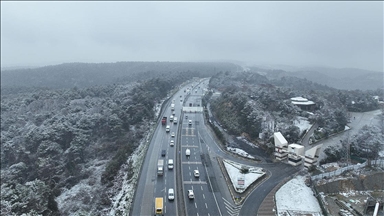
[(167, 128), (171, 194), (170, 164)]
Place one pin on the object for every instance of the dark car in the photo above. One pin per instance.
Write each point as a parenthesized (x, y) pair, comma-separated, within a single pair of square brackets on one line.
[(163, 153)]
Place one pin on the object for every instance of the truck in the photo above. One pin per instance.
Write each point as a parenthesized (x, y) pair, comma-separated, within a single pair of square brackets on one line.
[(159, 205), (172, 106), (160, 167), (164, 120)]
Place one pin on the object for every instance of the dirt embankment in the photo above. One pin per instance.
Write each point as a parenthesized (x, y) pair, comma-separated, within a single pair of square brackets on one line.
[(353, 182)]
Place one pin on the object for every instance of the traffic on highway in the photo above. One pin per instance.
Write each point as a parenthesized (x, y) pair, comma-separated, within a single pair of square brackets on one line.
[(181, 174)]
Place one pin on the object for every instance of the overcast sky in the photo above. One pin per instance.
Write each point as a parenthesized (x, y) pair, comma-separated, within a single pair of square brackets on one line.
[(336, 34)]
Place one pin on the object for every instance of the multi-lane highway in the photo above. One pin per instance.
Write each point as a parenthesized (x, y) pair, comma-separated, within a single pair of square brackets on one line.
[(211, 193)]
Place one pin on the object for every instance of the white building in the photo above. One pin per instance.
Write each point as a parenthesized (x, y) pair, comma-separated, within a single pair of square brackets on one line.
[(295, 154), (281, 146), (311, 156), (303, 103)]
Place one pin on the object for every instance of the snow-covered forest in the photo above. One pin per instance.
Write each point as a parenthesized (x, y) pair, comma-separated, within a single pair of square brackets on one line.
[(249, 99), (66, 139), (56, 140)]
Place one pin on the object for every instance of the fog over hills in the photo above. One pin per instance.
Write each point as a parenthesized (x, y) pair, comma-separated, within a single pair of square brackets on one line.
[(339, 78), (70, 75), (90, 74)]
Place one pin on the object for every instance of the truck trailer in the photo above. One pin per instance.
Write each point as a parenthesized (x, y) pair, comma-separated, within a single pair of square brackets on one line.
[(160, 167), (164, 120)]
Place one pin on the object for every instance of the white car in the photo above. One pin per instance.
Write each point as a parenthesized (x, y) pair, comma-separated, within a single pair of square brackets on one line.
[(170, 164), (190, 122), (190, 194), (196, 173), (173, 134), (172, 143), (167, 128), (171, 194)]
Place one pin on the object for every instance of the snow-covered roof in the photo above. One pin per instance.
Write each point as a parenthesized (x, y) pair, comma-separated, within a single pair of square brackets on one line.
[(294, 145), (315, 151), (299, 99), (303, 103), (296, 148), (280, 141)]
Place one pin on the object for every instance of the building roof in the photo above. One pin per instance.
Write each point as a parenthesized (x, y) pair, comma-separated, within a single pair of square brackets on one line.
[(296, 148), (315, 151), (301, 101), (279, 139)]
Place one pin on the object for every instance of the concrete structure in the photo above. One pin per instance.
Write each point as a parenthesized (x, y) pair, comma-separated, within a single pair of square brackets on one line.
[(311, 156), (192, 109), (295, 154), (281, 146), (303, 103)]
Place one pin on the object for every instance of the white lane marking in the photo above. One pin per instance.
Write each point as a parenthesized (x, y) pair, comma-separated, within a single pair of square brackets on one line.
[(203, 196), (192, 187), (195, 205), (206, 205)]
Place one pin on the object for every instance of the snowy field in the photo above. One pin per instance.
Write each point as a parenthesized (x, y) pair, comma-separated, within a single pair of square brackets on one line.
[(233, 170), (302, 123), (297, 198)]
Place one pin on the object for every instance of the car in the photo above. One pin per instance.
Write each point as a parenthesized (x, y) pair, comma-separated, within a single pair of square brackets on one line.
[(171, 194), (170, 164), (190, 122), (191, 195), (186, 117), (172, 143), (173, 134), (167, 128), (163, 152), (196, 173)]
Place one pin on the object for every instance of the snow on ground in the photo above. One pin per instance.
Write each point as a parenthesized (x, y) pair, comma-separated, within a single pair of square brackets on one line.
[(70, 200), (297, 198), (246, 141), (240, 152), (122, 202), (233, 170), (302, 123)]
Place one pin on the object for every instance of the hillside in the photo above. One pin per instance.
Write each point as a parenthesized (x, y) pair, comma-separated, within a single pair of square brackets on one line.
[(80, 75)]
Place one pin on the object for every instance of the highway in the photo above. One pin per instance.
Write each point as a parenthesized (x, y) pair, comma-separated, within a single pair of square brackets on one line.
[(212, 195)]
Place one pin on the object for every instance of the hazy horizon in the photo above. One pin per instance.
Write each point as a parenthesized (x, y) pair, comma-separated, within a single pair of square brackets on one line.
[(298, 34)]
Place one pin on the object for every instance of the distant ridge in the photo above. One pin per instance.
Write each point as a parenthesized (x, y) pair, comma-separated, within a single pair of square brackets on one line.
[(69, 75), (339, 78)]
